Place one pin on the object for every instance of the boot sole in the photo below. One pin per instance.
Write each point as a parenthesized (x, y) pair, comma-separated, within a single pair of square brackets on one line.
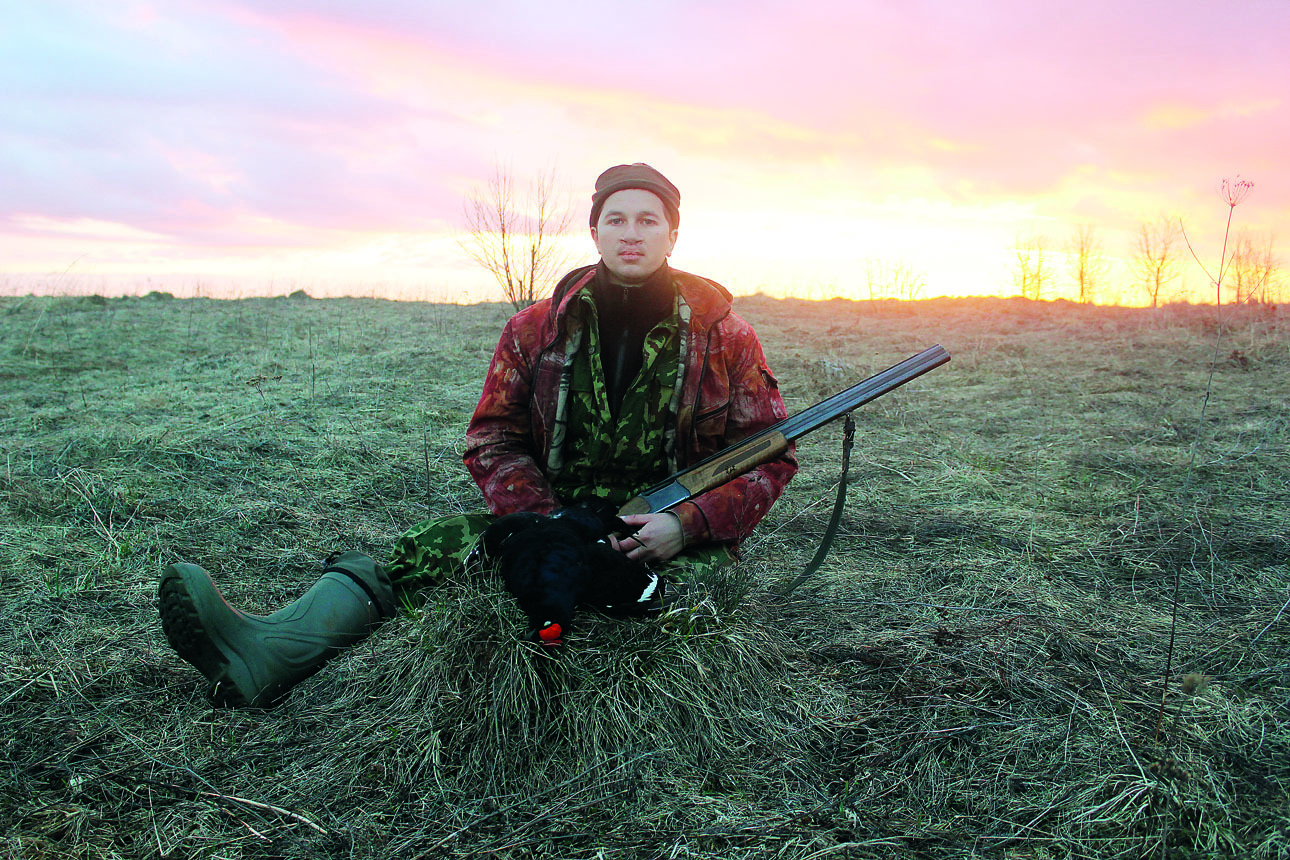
[(182, 624)]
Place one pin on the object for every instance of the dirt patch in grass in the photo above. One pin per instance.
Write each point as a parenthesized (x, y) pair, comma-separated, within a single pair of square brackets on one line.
[(978, 670)]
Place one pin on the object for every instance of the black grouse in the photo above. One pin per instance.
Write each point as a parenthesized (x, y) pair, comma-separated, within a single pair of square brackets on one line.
[(552, 564)]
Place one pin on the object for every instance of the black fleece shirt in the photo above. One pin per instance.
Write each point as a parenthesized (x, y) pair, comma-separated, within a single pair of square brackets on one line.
[(626, 314)]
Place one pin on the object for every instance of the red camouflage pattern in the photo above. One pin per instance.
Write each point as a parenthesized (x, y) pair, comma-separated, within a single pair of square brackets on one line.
[(728, 394)]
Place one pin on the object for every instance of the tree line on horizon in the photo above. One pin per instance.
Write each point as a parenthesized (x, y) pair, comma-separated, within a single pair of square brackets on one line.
[(1251, 271), (511, 234)]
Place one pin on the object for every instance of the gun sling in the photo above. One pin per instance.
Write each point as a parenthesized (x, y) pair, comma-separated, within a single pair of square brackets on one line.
[(774, 440)]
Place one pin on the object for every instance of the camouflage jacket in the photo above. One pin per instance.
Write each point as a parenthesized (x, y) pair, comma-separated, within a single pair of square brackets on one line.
[(727, 393)]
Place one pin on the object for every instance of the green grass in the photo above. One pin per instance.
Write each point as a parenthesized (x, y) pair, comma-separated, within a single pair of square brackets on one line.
[(976, 672)]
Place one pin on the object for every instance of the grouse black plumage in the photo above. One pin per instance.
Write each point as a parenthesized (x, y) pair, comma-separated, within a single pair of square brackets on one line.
[(553, 564)]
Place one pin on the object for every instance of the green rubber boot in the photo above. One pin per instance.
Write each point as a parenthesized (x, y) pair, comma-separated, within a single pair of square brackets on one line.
[(253, 660)]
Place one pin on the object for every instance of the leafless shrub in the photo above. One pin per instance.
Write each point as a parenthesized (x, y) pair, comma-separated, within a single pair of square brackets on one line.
[(1253, 271), (898, 281), (1157, 256), (1087, 262), (514, 237), (1032, 274)]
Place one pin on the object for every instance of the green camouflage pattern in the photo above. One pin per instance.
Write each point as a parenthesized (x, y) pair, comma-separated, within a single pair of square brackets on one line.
[(726, 394), (607, 459), (435, 550)]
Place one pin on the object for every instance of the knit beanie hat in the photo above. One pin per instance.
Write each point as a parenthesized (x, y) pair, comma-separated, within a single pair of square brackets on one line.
[(637, 176)]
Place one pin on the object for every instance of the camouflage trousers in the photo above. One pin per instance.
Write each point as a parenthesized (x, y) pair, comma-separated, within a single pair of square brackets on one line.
[(435, 550)]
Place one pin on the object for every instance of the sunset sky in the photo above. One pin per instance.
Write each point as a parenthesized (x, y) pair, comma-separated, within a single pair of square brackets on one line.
[(329, 145)]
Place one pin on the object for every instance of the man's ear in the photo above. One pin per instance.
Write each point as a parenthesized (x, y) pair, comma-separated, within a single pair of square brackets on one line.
[(593, 235)]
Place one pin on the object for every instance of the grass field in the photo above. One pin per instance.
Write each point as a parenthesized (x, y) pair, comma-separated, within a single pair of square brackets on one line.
[(977, 671)]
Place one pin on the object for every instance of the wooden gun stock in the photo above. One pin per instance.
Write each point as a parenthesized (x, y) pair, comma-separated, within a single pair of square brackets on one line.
[(774, 440)]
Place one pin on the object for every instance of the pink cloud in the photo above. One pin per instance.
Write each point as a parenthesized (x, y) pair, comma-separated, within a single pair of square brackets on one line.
[(237, 125)]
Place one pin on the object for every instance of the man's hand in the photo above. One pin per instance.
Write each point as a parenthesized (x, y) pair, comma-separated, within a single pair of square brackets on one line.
[(659, 537)]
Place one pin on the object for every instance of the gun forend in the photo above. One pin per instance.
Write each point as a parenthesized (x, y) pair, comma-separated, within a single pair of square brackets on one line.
[(770, 443)]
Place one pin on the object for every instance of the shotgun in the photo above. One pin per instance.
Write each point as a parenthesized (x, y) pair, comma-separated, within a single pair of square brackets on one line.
[(766, 445)]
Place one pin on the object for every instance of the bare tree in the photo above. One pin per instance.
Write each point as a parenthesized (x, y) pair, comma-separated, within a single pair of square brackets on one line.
[(514, 239), (1253, 269), (1032, 273), (1088, 265), (1158, 256)]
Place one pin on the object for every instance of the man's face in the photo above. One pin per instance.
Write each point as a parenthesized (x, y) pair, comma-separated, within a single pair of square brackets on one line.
[(632, 234)]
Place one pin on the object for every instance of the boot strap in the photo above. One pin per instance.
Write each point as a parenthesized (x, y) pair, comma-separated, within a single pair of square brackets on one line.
[(384, 608)]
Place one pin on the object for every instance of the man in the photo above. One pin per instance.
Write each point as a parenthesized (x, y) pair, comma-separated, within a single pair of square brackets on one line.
[(630, 371)]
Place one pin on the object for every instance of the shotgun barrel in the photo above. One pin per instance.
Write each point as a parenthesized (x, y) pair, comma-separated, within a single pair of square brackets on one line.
[(770, 443)]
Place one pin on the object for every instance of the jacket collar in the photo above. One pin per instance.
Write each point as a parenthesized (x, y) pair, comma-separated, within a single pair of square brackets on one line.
[(709, 301)]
